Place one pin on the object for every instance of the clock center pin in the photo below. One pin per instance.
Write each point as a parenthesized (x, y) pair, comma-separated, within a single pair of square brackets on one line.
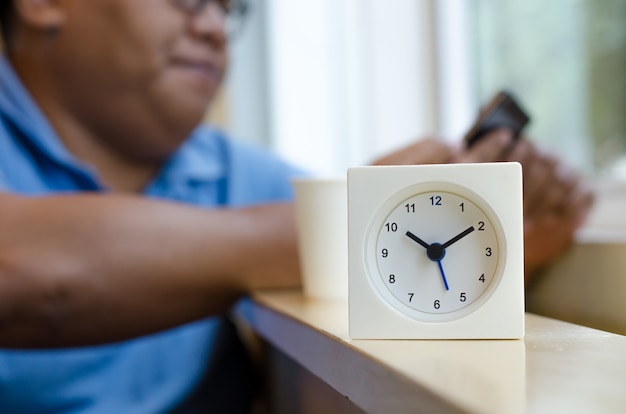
[(436, 252)]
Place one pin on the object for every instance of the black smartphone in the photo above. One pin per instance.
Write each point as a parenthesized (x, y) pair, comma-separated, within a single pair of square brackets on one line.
[(503, 111)]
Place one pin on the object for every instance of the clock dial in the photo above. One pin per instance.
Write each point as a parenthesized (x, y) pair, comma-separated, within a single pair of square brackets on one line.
[(437, 252)]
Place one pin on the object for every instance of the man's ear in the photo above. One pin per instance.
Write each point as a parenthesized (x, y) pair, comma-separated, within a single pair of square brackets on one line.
[(41, 14)]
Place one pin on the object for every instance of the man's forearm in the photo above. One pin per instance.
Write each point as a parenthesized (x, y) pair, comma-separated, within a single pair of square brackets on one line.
[(87, 269)]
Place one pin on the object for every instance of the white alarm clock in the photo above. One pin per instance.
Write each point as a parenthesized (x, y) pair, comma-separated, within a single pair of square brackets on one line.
[(436, 251)]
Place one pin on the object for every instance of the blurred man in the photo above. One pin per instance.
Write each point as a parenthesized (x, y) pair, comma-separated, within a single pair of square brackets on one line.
[(128, 228)]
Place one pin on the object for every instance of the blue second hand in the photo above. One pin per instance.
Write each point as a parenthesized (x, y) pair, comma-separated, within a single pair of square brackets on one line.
[(443, 276)]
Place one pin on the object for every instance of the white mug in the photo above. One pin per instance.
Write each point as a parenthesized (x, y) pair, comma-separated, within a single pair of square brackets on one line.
[(321, 209)]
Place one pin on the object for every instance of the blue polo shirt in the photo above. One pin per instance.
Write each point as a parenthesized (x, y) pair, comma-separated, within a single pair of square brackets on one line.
[(164, 372)]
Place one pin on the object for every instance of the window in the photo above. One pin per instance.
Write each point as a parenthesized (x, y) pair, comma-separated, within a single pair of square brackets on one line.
[(566, 60), (344, 80), (329, 84)]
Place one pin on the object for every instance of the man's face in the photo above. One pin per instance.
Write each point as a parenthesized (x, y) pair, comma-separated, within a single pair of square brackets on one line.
[(142, 67)]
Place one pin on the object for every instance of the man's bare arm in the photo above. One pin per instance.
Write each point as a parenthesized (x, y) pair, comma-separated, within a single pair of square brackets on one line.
[(86, 269)]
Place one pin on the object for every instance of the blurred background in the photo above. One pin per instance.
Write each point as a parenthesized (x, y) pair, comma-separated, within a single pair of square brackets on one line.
[(329, 84)]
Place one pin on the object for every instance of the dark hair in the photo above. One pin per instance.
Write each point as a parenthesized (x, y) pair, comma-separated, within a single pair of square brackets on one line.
[(6, 8)]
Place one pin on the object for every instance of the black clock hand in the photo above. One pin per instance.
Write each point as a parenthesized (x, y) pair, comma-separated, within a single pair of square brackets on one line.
[(418, 240), (458, 237), (435, 252)]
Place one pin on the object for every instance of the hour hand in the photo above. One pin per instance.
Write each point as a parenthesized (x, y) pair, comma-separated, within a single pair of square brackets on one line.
[(418, 240), (435, 252)]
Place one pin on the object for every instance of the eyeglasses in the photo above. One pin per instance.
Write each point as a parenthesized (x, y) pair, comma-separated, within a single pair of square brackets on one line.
[(233, 11)]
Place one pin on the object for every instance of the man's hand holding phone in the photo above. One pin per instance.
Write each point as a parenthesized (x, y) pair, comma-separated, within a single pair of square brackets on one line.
[(556, 198), (502, 112), (497, 128)]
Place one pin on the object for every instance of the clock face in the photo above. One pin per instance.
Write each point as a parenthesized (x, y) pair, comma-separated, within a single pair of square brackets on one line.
[(435, 252)]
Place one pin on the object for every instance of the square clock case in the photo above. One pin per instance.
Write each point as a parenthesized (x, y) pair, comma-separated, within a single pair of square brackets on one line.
[(436, 252)]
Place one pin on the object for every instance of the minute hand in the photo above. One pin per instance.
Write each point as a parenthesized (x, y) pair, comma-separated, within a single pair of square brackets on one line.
[(458, 237)]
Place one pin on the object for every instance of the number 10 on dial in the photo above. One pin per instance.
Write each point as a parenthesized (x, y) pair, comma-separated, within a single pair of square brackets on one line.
[(436, 251)]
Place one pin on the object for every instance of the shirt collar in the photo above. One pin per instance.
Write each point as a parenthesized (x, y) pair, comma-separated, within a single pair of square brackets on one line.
[(202, 158)]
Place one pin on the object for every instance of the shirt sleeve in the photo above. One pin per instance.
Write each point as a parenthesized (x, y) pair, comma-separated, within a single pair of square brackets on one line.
[(4, 152), (3, 182)]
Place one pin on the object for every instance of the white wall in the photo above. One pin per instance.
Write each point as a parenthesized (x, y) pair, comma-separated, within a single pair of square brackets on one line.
[(345, 80)]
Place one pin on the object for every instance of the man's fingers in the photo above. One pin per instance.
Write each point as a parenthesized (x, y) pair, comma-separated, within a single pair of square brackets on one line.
[(489, 148)]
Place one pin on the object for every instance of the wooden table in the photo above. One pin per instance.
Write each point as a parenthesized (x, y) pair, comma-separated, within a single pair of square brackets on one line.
[(557, 368)]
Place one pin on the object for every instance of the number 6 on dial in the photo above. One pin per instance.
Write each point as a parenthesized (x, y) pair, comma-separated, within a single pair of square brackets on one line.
[(436, 251)]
